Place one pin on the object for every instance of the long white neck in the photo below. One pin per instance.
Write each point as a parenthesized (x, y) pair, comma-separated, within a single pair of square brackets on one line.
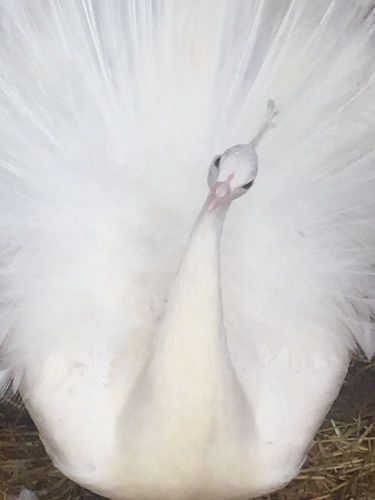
[(190, 348), (188, 406), (190, 377)]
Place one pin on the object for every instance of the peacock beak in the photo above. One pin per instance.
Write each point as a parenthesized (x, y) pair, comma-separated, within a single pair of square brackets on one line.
[(221, 190)]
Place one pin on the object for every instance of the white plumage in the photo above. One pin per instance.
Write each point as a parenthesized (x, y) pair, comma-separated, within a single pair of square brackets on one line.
[(26, 495), (147, 377)]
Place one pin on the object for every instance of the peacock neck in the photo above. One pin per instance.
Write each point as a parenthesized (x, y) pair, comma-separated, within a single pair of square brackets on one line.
[(187, 396), (191, 341), (190, 377)]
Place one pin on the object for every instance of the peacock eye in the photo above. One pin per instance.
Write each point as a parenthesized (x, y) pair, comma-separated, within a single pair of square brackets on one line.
[(248, 185), (217, 161)]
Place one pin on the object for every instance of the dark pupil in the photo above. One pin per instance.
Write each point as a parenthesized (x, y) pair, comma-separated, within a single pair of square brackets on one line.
[(217, 161), (248, 185)]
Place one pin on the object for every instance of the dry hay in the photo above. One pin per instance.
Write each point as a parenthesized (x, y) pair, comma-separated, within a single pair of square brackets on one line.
[(341, 463)]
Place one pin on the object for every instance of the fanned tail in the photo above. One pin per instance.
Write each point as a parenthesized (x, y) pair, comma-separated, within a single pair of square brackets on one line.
[(109, 115)]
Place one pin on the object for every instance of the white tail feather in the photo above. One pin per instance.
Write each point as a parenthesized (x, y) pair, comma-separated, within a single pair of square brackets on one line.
[(24, 495), (110, 113)]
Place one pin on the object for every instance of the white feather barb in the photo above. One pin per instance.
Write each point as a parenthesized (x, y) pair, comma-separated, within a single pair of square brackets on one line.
[(110, 113)]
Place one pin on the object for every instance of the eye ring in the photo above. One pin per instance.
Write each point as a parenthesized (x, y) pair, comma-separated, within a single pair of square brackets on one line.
[(248, 185), (217, 161)]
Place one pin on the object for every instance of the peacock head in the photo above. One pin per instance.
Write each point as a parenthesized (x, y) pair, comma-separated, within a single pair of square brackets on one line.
[(232, 173)]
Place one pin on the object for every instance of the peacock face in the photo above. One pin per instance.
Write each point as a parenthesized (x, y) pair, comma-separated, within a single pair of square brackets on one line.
[(233, 172)]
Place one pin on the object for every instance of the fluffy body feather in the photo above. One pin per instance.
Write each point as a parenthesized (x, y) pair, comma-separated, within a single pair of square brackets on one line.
[(26, 495), (110, 113)]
